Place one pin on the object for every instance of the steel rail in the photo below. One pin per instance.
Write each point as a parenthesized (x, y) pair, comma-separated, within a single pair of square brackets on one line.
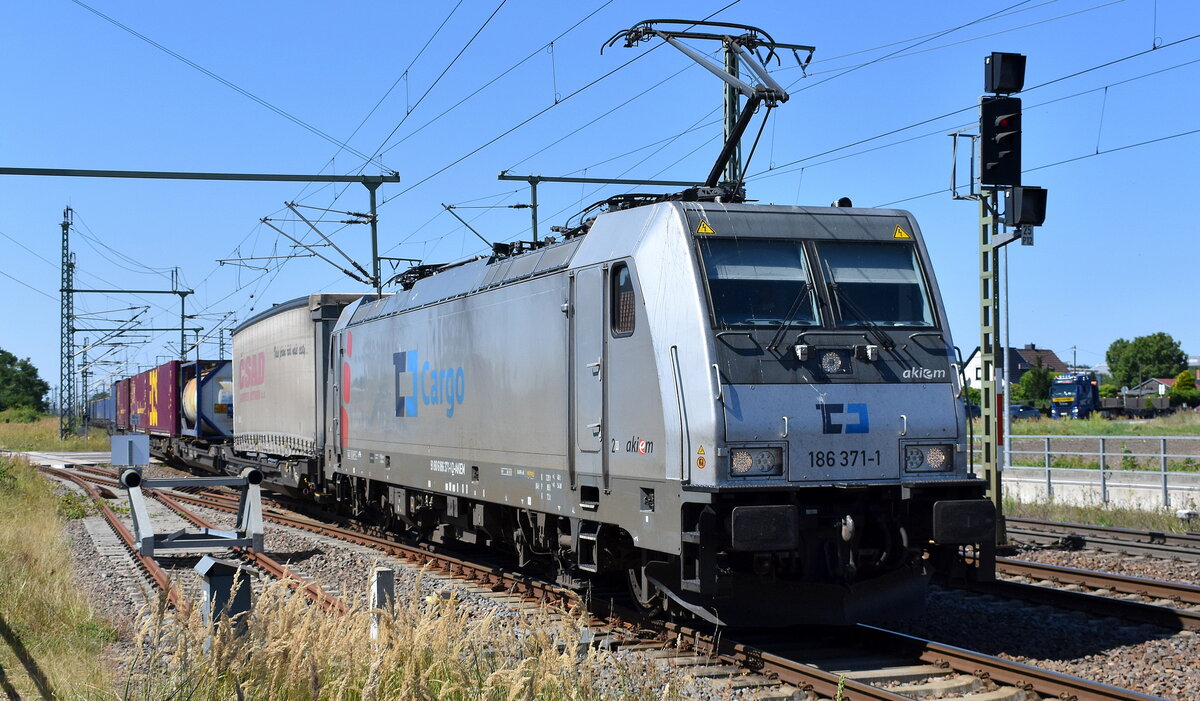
[(1094, 604), (1184, 546), (489, 576), (270, 565), (1153, 588), (1044, 682), (793, 672), (796, 673), (785, 670), (148, 564), (266, 563)]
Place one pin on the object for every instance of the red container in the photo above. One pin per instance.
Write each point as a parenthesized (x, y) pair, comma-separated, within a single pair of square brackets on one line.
[(139, 402), (121, 413), (164, 399)]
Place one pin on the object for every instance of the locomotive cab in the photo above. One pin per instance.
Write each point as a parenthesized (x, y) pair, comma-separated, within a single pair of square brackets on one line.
[(835, 463)]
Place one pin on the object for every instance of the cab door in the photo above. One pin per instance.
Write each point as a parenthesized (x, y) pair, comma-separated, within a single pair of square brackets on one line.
[(586, 381)]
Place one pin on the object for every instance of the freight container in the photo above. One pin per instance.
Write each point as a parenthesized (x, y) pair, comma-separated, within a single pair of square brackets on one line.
[(139, 402), (121, 392), (101, 412), (207, 398), (164, 399), (280, 361)]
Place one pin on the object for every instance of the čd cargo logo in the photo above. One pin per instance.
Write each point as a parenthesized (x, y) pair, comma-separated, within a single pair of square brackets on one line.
[(844, 418), (433, 386)]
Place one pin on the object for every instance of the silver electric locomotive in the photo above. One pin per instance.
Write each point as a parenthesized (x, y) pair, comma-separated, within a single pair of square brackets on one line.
[(749, 411)]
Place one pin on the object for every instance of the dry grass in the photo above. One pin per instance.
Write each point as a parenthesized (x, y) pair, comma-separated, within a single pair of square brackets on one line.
[(1161, 520), (428, 648), (50, 642), (43, 435)]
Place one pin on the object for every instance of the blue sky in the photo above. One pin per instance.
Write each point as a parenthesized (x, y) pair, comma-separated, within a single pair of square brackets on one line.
[(1111, 98)]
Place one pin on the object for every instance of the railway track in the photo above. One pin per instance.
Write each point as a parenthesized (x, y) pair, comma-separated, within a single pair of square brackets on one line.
[(858, 663), (98, 483), (1170, 605), (1181, 546)]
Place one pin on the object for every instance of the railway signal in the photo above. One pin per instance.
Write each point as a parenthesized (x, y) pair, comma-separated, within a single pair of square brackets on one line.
[(1003, 202), (1000, 141)]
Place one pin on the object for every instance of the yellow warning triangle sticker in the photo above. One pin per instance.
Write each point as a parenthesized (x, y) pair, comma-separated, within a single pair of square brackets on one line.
[(701, 451), (900, 233), (704, 228)]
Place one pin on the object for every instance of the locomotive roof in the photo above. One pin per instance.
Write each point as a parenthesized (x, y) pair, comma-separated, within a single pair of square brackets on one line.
[(841, 223)]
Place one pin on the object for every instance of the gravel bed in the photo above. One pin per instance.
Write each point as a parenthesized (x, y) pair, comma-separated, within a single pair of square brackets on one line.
[(1116, 563), (1139, 657), (340, 568)]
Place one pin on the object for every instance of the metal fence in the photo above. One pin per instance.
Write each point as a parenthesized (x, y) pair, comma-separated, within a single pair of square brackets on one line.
[(1162, 463)]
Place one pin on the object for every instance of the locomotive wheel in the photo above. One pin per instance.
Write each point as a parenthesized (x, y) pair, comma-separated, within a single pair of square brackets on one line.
[(649, 598)]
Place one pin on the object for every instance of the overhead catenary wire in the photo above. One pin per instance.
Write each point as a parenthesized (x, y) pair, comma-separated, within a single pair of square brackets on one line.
[(1115, 149), (259, 279), (403, 76), (779, 169), (263, 278), (26, 284), (1002, 14), (233, 86), (539, 113), (380, 150)]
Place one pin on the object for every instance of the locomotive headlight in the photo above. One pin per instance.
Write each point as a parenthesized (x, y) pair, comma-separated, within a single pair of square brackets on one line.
[(938, 456), (756, 462), (831, 362), (928, 458)]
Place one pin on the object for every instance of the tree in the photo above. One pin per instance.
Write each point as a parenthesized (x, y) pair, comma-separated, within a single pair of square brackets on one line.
[(1109, 391), (20, 385), (1035, 384), (1183, 392), (1156, 355)]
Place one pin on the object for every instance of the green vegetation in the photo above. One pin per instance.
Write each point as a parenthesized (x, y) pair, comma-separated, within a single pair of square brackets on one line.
[(1133, 362), (20, 385), (427, 648), (1180, 423), (43, 435), (50, 642), (1164, 521), (20, 415), (73, 505), (1183, 392), (1034, 385)]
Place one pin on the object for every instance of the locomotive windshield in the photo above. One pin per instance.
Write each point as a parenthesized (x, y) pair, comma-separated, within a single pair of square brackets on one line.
[(758, 282), (873, 284)]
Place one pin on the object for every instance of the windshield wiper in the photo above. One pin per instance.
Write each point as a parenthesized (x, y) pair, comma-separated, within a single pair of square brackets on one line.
[(880, 337), (791, 316)]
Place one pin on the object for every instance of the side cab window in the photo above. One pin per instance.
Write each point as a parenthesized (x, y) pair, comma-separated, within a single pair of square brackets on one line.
[(621, 300)]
